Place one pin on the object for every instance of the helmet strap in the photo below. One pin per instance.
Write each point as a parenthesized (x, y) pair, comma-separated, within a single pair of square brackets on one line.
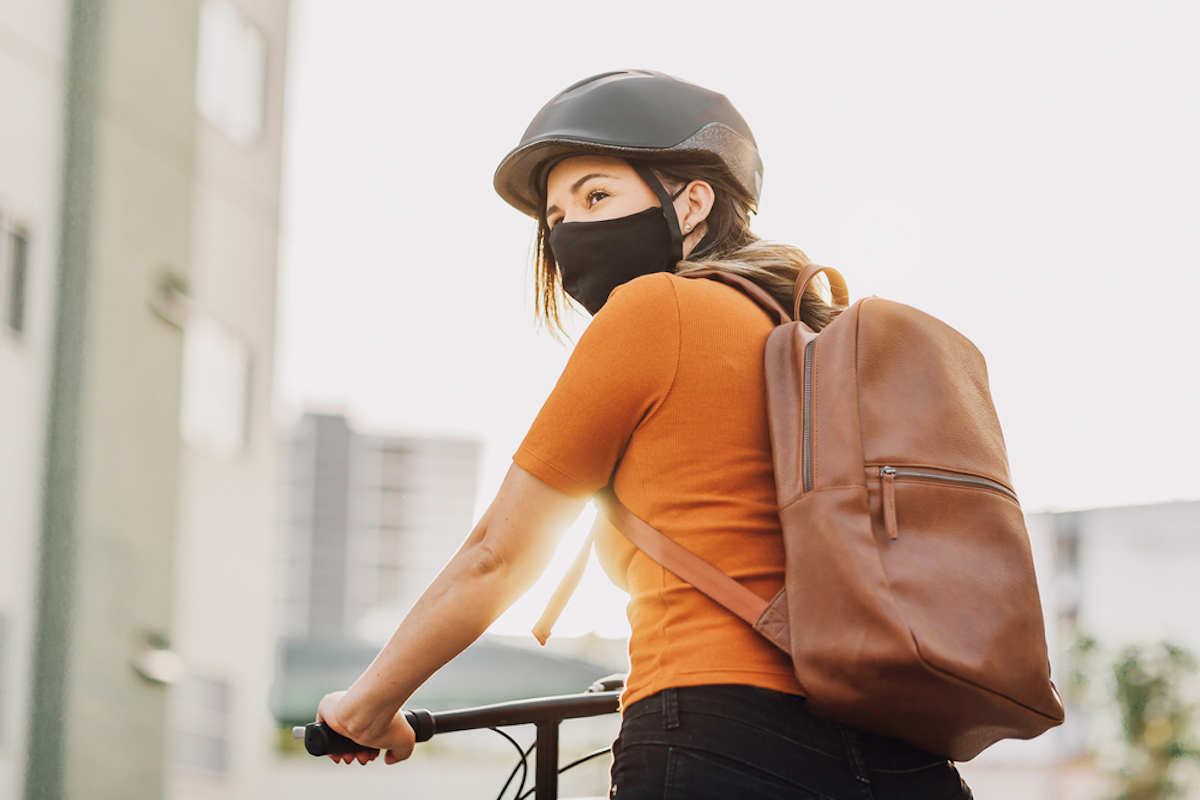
[(668, 207)]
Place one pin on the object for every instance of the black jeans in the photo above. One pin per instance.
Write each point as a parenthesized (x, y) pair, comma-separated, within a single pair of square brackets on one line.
[(745, 743)]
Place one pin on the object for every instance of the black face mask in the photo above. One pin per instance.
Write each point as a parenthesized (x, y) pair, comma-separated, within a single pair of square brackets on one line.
[(596, 257)]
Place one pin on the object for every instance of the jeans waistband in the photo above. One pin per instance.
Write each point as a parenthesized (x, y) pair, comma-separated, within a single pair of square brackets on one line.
[(782, 715)]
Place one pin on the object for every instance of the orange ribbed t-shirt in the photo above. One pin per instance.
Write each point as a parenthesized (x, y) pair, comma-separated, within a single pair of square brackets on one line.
[(664, 394)]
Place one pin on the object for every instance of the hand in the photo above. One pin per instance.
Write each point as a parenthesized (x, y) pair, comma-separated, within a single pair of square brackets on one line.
[(394, 735)]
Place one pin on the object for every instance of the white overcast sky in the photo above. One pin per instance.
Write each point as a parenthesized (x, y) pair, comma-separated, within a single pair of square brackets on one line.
[(1028, 172)]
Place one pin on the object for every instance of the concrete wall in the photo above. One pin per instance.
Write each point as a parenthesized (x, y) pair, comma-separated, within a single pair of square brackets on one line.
[(33, 55), (229, 501)]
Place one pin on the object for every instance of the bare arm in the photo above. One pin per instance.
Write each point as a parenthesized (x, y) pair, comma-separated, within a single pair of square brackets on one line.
[(503, 556)]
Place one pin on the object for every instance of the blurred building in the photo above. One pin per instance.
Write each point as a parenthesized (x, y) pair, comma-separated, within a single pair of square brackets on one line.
[(369, 521), (139, 213), (33, 89), (1129, 574)]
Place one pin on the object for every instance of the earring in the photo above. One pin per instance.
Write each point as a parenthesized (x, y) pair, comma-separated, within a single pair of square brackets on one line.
[(687, 227)]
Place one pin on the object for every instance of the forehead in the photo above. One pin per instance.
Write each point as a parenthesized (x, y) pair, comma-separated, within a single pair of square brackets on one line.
[(569, 170)]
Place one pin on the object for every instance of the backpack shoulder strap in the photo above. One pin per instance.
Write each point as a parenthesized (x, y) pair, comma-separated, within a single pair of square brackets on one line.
[(680, 561), (837, 286), (566, 587), (675, 558), (749, 288)]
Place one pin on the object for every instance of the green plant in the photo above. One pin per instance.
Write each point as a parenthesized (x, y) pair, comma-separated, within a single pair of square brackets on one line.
[(1149, 689)]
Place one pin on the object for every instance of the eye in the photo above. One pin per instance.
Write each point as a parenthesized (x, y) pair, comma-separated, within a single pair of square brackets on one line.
[(595, 196)]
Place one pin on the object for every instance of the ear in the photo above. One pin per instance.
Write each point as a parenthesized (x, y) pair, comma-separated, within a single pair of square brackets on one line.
[(692, 208)]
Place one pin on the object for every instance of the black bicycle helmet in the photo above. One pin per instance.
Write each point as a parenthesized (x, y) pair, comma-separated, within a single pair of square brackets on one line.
[(629, 114)]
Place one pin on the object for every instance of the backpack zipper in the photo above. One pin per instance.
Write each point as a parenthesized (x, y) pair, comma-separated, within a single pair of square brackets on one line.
[(888, 476), (808, 472)]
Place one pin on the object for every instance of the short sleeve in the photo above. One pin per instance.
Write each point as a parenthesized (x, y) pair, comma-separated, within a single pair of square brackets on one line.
[(620, 373)]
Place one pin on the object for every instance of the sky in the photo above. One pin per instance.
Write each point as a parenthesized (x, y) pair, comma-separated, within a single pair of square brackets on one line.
[(1028, 172)]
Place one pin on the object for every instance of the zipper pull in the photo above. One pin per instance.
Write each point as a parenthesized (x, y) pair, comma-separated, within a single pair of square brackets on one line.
[(887, 477)]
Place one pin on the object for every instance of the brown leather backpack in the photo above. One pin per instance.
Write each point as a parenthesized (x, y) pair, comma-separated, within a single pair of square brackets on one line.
[(910, 607)]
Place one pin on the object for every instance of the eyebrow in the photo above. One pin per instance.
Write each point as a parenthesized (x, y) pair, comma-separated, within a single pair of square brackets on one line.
[(575, 187)]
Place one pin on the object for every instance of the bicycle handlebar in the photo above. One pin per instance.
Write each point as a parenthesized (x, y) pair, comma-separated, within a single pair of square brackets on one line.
[(321, 740)]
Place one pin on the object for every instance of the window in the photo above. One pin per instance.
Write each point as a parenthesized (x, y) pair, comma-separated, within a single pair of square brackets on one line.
[(231, 70), (203, 719), (14, 276), (216, 388), (18, 267), (3, 681)]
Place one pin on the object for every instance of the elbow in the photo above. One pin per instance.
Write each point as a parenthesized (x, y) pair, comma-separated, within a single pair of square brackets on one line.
[(508, 573), (485, 563)]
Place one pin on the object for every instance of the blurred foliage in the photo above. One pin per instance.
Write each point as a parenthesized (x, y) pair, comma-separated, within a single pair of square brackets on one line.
[(1150, 689), (286, 746)]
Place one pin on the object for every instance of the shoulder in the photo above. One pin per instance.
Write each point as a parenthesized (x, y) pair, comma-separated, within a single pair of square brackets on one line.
[(661, 303), (636, 332), (645, 306), (704, 299), (663, 289), (655, 290)]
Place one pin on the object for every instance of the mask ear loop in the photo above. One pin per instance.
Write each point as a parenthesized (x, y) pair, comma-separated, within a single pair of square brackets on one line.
[(668, 207)]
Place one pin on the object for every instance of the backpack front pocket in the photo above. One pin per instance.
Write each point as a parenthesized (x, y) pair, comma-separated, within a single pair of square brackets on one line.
[(889, 475), (955, 553)]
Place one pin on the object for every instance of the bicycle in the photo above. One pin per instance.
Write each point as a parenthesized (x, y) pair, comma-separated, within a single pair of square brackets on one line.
[(546, 713)]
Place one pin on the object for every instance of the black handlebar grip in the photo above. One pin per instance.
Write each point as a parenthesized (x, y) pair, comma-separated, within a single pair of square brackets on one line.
[(322, 740), (421, 722)]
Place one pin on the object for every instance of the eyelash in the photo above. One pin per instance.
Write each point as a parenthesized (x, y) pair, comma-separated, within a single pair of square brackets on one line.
[(591, 199)]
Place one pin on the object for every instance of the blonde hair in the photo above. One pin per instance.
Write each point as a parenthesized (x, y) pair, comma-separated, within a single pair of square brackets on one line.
[(774, 266), (728, 245)]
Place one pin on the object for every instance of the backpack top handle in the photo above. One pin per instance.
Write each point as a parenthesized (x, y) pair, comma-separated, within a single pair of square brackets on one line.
[(837, 285)]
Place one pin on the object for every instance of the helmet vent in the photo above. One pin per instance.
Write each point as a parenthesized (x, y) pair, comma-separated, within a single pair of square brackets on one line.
[(597, 80)]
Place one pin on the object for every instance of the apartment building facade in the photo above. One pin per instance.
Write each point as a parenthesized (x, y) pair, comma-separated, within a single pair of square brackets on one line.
[(139, 197)]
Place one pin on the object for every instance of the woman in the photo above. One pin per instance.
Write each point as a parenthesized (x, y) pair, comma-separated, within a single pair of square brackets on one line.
[(637, 178)]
